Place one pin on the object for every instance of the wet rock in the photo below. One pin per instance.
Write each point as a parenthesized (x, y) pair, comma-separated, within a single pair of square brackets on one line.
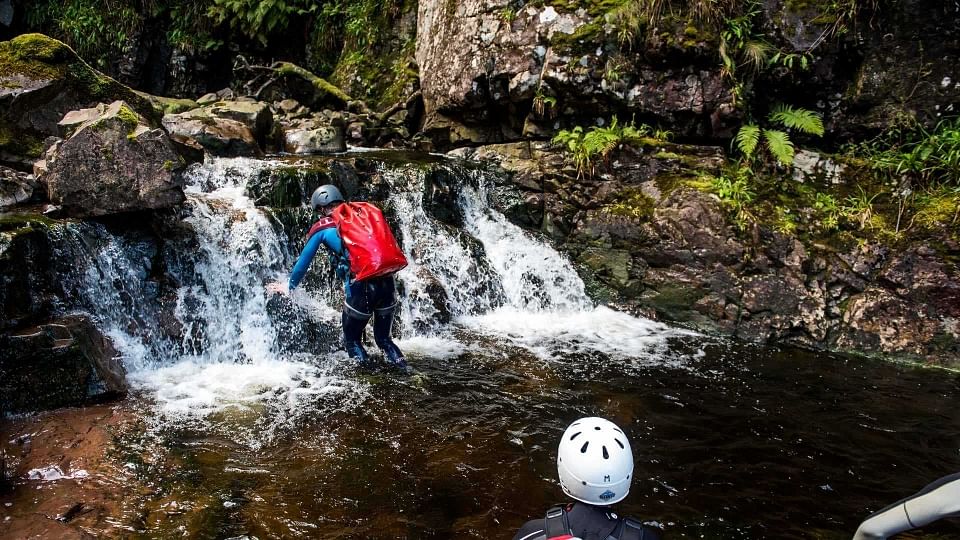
[(920, 275), (113, 162), (280, 187), (15, 187), (878, 320), (63, 362), (27, 280)]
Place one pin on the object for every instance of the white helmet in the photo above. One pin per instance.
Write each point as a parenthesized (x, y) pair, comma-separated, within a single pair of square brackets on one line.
[(595, 462)]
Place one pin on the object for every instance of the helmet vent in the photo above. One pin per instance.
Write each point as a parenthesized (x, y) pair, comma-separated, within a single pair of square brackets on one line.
[(596, 428), (583, 449), (605, 454), (618, 442), (575, 435)]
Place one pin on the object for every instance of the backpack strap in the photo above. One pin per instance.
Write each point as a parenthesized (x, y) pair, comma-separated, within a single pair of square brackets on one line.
[(632, 530), (556, 525), (321, 224)]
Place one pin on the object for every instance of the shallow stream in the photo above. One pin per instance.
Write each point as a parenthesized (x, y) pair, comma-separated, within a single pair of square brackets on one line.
[(255, 424)]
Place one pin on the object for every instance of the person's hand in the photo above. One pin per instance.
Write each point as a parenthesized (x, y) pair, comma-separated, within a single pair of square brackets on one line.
[(277, 287)]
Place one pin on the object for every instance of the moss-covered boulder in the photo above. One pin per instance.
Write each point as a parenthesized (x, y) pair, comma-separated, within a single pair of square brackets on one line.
[(112, 162), (41, 79)]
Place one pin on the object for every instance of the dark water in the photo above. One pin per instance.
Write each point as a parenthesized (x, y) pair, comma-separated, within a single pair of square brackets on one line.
[(732, 442)]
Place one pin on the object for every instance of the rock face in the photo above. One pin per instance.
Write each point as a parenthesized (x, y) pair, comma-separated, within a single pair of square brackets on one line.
[(662, 248), (489, 73), (113, 162), (63, 362)]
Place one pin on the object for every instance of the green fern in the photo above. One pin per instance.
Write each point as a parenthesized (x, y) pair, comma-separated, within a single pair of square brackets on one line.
[(747, 138), (802, 120), (780, 145)]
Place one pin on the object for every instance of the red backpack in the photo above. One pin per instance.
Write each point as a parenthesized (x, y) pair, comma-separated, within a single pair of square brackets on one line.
[(370, 245)]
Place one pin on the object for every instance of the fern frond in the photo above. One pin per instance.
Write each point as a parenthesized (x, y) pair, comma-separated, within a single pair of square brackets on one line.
[(803, 120), (780, 145), (747, 138)]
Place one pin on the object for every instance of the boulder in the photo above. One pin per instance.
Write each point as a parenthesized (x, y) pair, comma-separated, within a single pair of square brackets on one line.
[(41, 79), (59, 363), (112, 162), (256, 115), (220, 136), (312, 136)]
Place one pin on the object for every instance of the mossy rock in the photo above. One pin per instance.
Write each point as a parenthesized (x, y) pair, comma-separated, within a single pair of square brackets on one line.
[(41, 79), (286, 187)]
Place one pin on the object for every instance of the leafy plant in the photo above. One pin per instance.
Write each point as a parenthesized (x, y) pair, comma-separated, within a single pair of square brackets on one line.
[(257, 19), (544, 105), (95, 33), (589, 146), (735, 191), (829, 211), (859, 209), (777, 141)]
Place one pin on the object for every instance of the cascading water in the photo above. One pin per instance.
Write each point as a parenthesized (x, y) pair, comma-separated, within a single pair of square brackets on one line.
[(226, 354)]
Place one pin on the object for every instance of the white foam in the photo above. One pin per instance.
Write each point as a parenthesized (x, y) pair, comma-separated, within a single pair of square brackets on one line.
[(265, 395), (550, 334), (52, 473), (438, 347)]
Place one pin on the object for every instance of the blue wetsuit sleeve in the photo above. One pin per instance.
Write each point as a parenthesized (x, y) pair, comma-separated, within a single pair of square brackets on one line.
[(329, 238), (303, 262)]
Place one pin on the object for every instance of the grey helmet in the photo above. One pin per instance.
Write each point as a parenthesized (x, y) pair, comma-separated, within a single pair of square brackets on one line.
[(325, 196)]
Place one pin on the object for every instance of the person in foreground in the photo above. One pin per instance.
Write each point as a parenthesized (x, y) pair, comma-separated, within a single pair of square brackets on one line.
[(595, 465), (939, 499), (366, 256)]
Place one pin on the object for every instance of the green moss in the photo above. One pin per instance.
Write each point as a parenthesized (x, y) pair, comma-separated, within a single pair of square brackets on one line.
[(34, 55), (19, 142), (128, 117), (587, 35), (594, 8), (287, 68), (632, 203)]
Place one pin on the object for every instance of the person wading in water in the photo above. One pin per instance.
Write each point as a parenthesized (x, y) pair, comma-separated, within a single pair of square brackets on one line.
[(595, 465), (365, 254)]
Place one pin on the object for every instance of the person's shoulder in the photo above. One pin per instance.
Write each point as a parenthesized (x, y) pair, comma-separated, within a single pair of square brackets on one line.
[(641, 530), (530, 530)]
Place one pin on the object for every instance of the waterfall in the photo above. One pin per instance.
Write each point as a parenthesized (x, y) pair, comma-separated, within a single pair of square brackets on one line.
[(207, 339)]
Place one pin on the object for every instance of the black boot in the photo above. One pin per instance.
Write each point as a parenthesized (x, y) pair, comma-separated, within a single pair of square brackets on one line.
[(382, 327), (353, 338)]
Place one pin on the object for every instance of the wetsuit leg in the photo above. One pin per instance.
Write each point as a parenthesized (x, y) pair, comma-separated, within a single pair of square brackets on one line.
[(356, 313), (383, 298)]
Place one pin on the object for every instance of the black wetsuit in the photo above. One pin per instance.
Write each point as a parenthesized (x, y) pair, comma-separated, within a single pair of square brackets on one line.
[(587, 522)]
